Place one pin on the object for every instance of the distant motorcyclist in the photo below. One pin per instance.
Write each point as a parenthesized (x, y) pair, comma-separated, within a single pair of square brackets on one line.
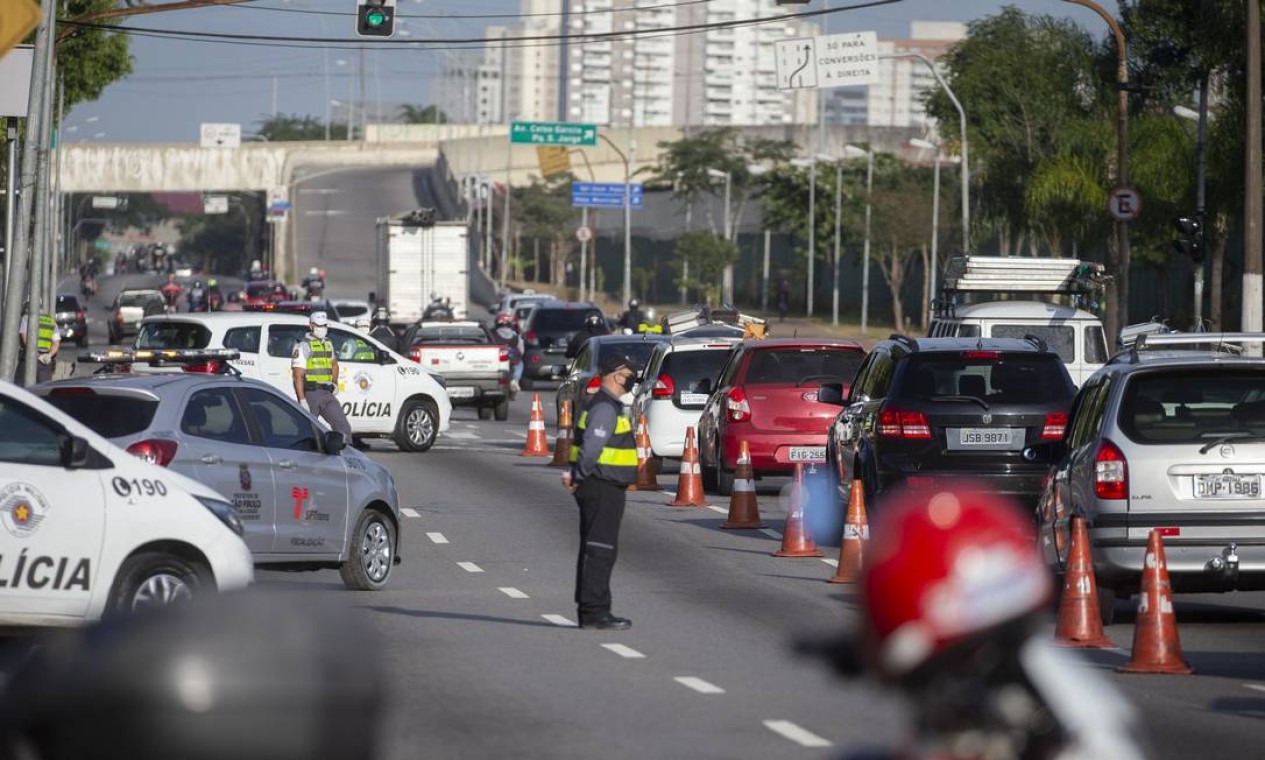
[(314, 283), (197, 297), (505, 335), (438, 309), (381, 330), (214, 296), (171, 293), (633, 317), (594, 324)]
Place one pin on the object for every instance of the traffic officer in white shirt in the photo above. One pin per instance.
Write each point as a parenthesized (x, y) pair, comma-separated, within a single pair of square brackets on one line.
[(47, 343), (315, 371)]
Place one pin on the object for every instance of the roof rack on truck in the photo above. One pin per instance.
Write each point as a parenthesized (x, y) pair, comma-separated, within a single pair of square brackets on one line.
[(699, 317), (1084, 282)]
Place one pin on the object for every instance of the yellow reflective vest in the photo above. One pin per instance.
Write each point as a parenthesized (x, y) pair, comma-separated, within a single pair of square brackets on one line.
[(320, 361), (617, 461)]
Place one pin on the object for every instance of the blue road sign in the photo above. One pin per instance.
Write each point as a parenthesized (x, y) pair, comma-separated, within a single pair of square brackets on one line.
[(605, 194)]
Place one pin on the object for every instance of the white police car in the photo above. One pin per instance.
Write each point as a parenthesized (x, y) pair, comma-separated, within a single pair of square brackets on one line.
[(383, 394), (88, 530)]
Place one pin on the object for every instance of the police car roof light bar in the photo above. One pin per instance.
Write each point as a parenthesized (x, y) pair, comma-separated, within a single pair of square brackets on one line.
[(159, 357)]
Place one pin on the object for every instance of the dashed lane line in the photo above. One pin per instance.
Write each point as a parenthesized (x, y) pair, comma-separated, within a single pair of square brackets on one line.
[(513, 593), (624, 651), (699, 685), (831, 562), (462, 435), (560, 620), (1255, 686), (410, 512), (469, 567), (437, 538), (721, 510), (800, 736), (771, 533)]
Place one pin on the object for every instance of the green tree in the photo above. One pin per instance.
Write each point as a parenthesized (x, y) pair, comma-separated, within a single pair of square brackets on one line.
[(292, 127), (543, 210), (89, 60), (431, 114), (708, 254)]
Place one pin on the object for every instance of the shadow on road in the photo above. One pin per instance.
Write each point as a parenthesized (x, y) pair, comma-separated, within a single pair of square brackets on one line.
[(455, 616)]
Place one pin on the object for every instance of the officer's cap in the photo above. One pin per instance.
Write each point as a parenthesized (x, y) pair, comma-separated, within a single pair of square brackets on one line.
[(319, 319), (613, 362)]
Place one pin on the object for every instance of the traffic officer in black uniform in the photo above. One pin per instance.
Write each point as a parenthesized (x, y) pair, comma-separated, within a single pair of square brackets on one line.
[(603, 465)]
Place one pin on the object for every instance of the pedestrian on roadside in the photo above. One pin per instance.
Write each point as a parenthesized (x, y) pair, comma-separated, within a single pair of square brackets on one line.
[(783, 298), (47, 344), (314, 367), (603, 465)]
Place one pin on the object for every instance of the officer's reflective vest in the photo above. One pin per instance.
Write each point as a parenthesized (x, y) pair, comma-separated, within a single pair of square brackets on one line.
[(320, 361), (618, 460), (44, 337)]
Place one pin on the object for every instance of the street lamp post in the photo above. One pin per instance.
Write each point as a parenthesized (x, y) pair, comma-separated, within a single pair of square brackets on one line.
[(935, 212), (852, 151), (727, 279)]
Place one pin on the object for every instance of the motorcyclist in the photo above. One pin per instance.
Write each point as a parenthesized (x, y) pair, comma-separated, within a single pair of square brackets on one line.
[(952, 600), (633, 318), (437, 309), (382, 331), (505, 334), (279, 293), (214, 297), (197, 297), (314, 283), (594, 324), (171, 293)]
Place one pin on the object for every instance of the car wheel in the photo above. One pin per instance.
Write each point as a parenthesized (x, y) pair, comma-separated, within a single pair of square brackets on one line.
[(485, 412), (417, 426), (372, 553), (708, 474), (151, 580), (502, 410), (724, 480), (1107, 605)]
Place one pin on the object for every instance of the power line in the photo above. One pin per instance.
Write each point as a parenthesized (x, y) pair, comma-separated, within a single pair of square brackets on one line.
[(464, 16)]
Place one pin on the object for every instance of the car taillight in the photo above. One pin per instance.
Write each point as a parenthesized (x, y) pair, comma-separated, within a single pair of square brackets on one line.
[(209, 367), (118, 317), (1055, 424), (894, 423), (593, 385), (737, 407), (1111, 472), (504, 355), (79, 316), (981, 354), (415, 354), (155, 451), (663, 387), (531, 338)]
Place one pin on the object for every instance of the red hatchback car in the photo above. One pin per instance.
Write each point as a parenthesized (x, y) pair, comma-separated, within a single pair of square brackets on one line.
[(766, 395)]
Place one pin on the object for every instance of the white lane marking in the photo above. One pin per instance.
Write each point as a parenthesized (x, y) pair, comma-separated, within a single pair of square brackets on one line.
[(624, 651), (699, 685), (410, 512), (459, 435), (800, 736), (522, 436), (831, 562), (317, 191), (1255, 686), (771, 533), (437, 538), (469, 567), (723, 510), (513, 593), (560, 620), (324, 212)]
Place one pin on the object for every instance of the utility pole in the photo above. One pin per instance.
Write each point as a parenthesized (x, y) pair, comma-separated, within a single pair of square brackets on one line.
[(509, 164), (40, 200), (1252, 203)]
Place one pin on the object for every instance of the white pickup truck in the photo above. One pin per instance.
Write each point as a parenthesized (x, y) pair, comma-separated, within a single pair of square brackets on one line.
[(475, 369)]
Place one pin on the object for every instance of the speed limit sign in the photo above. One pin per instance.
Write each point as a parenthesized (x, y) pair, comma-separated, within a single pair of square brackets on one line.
[(1124, 204), (583, 234)]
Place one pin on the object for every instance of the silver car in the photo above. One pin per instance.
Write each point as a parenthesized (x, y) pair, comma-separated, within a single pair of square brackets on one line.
[(306, 501), (1168, 436)]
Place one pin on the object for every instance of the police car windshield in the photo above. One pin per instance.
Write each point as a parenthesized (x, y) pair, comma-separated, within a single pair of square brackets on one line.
[(173, 335), (113, 416)]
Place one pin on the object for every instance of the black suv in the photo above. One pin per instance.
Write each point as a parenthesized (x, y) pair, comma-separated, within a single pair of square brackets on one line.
[(922, 413), (545, 336)]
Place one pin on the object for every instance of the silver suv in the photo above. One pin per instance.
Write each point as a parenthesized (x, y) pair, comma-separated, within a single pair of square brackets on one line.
[(1170, 435)]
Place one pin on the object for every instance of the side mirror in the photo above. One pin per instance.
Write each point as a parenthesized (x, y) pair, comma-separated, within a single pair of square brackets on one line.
[(830, 393), (74, 452), (384, 357), (334, 441)]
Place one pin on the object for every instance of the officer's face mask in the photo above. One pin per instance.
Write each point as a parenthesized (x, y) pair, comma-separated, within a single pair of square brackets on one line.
[(320, 332)]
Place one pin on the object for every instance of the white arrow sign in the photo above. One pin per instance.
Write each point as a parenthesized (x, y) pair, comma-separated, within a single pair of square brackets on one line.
[(221, 135), (835, 60)]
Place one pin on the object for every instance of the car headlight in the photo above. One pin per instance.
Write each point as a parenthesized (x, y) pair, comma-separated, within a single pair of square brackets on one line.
[(225, 512)]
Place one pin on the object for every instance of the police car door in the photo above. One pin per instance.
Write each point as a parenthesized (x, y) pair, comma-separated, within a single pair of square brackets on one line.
[(53, 518), (309, 485), (366, 388)]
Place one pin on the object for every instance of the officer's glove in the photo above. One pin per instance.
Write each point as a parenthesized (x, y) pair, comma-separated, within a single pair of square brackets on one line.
[(46, 359), (306, 406)]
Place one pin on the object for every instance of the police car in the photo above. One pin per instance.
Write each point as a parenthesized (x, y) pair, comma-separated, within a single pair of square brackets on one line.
[(383, 394), (88, 530)]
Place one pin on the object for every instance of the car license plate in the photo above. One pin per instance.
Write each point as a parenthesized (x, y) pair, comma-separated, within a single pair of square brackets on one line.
[(461, 393), (693, 399), (808, 454), (1228, 486), (986, 438)]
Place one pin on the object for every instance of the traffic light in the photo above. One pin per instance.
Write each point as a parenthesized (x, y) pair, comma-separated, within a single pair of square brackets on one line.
[(375, 18), (1190, 237)]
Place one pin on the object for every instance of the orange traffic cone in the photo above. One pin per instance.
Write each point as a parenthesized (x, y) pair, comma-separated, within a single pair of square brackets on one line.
[(1156, 648), (647, 480), (689, 486), (1080, 623), (744, 512), (537, 444), (856, 531), (795, 540), (562, 449)]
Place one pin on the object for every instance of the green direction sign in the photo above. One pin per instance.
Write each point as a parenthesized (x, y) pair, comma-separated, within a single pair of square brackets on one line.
[(553, 133)]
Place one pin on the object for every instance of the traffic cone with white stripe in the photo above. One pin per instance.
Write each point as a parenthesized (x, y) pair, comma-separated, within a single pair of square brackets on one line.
[(1156, 648), (744, 512), (562, 449), (1080, 622), (537, 443), (856, 531), (689, 486), (796, 542), (647, 480)]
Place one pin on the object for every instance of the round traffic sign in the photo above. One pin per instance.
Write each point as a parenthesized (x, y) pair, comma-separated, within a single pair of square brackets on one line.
[(583, 234), (1124, 204)]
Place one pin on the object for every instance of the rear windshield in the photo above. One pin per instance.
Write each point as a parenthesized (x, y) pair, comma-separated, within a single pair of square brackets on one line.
[(138, 299), (173, 335), (110, 416), (67, 303), (1194, 405), (638, 353), (1060, 338), (559, 320), (346, 311), (802, 366), (688, 368), (1010, 379), (465, 335)]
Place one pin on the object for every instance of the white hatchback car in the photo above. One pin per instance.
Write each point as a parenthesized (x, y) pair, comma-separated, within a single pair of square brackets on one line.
[(90, 530), (679, 377)]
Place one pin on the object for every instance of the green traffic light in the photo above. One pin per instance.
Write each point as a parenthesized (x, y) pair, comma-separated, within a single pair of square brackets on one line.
[(375, 18)]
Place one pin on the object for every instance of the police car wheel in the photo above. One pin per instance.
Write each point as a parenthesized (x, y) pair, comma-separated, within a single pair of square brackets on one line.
[(368, 566), (502, 410), (485, 412), (151, 580), (417, 426)]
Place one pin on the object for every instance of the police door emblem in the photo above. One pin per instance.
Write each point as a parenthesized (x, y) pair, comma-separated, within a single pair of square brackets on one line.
[(243, 477), (363, 381), (22, 509)]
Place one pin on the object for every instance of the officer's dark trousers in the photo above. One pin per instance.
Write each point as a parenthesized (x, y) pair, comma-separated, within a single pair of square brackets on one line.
[(601, 511)]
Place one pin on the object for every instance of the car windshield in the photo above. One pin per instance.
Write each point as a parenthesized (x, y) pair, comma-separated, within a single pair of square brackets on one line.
[(1194, 405), (800, 366), (451, 334), (638, 352), (137, 299), (689, 368), (173, 335), (559, 320), (67, 303), (108, 415), (1060, 338), (989, 376)]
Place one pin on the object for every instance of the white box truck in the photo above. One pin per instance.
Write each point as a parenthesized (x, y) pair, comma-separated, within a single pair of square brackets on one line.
[(417, 256)]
